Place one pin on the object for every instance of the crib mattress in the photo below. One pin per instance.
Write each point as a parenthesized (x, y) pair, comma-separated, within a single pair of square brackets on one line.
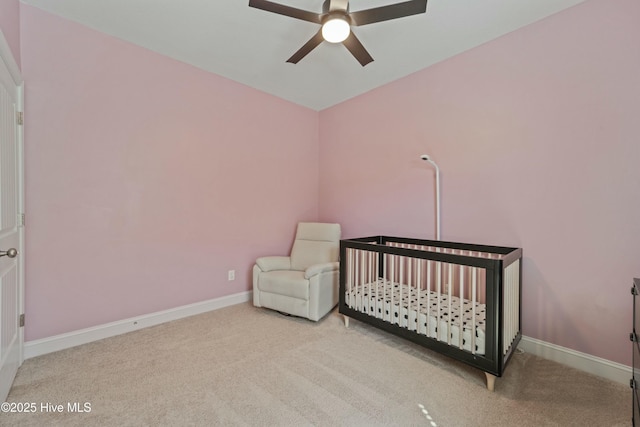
[(435, 315)]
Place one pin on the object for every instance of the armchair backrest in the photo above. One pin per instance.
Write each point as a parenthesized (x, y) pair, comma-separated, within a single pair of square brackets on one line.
[(316, 243)]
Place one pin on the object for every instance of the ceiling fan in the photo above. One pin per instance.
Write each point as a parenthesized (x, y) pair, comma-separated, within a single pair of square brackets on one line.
[(336, 21)]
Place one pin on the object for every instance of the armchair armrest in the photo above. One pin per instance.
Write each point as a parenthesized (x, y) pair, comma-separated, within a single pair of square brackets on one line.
[(321, 268), (270, 263)]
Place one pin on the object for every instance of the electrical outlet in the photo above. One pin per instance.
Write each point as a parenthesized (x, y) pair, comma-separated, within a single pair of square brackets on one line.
[(231, 275)]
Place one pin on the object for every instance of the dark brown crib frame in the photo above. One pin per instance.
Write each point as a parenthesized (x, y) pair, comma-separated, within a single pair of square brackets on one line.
[(491, 362)]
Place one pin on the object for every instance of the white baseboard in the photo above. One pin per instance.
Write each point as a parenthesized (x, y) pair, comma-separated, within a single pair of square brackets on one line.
[(585, 362), (83, 336)]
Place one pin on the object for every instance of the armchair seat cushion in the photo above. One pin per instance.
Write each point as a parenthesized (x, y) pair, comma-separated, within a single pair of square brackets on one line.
[(291, 283)]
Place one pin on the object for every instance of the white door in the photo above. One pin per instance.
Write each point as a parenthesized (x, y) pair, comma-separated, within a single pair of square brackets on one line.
[(11, 222)]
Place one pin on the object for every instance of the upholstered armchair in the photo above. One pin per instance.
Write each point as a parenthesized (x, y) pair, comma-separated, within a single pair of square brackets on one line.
[(304, 284)]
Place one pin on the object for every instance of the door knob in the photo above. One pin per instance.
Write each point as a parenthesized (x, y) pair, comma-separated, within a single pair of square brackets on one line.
[(11, 253)]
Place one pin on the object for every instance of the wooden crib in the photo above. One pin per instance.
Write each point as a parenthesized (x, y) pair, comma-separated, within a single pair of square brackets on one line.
[(461, 300)]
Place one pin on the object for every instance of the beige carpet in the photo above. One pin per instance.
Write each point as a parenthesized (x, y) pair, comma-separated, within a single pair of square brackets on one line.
[(246, 366)]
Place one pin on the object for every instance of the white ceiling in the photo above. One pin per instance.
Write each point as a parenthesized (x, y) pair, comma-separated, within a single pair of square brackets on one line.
[(250, 46)]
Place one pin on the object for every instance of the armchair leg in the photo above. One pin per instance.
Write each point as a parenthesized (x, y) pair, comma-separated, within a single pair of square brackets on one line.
[(346, 321)]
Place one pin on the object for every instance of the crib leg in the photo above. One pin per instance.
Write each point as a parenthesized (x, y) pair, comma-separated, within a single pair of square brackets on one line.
[(491, 381), (346, 321)]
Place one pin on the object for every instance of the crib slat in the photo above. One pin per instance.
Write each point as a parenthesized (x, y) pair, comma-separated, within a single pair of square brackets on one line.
[(438, 294), (393, 262), (419, 286), (428, 319), (384, 288), (474, 285), (377, 269), (350, 276), (400, 285), (450, 304), (461, 318), (369, 278)]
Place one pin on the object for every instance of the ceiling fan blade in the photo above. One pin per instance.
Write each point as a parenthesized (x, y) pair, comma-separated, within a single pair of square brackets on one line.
[(338, 5), (281, 9), (357, 49), (308, 47), (385, 13)]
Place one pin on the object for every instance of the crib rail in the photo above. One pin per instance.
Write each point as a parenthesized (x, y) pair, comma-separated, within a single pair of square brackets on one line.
[(460, 299)]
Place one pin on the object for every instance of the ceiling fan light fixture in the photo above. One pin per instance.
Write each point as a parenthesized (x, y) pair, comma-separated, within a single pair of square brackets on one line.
[(336, 20), (336, 29)]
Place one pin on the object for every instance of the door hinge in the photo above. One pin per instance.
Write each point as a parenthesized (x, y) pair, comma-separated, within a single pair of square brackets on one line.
[(20, 117), (21, 320)]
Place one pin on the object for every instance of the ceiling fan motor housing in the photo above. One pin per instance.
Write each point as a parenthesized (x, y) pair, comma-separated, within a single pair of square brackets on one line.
[(327, 4)]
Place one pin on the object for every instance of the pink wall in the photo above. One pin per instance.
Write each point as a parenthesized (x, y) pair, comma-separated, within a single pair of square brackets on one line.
[(10, 26), (147, 179), (536, 134)]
